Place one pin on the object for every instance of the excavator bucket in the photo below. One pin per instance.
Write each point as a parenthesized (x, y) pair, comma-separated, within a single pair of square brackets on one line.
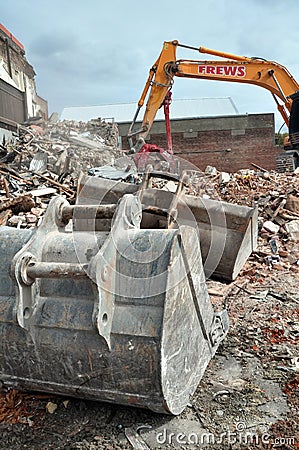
[(228, 232), (113, 311)]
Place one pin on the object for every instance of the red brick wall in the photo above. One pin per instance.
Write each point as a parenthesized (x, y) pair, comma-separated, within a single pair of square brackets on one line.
[(211, 148), (249, 139)]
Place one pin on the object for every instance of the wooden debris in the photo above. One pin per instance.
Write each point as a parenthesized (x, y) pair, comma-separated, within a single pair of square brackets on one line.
[(22, 203), (4, 216), (4, 185), (55, 183), (19, 407)]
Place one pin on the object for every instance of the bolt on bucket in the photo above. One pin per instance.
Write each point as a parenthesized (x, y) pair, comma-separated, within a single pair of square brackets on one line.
[(120, 315)]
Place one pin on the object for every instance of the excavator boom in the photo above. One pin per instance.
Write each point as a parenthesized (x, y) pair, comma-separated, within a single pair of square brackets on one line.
[(269, 75)]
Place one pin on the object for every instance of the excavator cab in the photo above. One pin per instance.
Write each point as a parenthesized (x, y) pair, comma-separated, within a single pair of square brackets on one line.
[(288, 161), (294, 121)]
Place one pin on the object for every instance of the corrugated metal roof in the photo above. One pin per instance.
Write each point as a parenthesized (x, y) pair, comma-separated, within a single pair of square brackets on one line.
[(179, 109)]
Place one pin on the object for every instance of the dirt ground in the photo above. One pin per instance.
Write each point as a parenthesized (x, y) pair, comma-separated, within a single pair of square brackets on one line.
[(247, 399)]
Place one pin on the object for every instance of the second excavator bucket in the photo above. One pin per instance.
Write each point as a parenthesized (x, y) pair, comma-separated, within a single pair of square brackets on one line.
[(121, 316), (228, 232)]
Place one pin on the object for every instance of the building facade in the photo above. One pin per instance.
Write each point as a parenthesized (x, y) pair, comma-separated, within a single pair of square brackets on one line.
[(18, 97)]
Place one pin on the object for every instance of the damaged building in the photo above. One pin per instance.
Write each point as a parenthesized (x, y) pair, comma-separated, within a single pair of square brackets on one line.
[(19, 100)]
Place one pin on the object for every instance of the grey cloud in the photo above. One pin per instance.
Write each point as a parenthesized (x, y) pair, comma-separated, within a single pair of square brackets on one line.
[(99, 52), (53, 42)]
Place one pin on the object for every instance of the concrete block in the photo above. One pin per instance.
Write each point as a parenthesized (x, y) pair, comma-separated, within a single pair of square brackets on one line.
[(293, 230), (270, 226), (224, 177), (211, 170)]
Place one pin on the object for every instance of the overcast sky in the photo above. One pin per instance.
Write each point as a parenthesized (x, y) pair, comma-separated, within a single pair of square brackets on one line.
[(96, 52)]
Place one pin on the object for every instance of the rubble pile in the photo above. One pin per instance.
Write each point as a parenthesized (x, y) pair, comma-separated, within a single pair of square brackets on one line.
[(277, 197), (247, 187), (61, 147), (68, 146), (49, 158), (45, 159), (82, 145)]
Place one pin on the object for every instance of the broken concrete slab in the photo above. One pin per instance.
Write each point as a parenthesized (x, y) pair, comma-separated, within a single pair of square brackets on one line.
[(211, 170), (224, 177), (86, 142), (170, 186), (271, 227), (42, 192), (293, 230)]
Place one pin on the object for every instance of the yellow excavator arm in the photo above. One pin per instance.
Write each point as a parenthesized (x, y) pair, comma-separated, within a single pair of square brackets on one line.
[(241, 69)]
